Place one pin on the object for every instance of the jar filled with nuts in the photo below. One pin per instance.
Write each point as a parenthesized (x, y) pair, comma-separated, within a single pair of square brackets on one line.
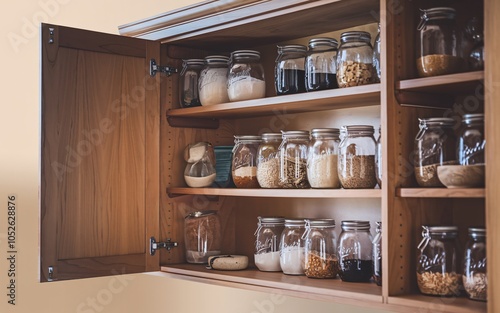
[(474, 278), (323, 158), (320, 253), (268, 162), (244, 163), (292, 249), (355, 252), (293, 159), (355, 60)]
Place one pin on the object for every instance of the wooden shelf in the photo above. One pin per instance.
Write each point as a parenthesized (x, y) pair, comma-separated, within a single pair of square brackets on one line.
[(441, 192), (444, 84), (423, 303)]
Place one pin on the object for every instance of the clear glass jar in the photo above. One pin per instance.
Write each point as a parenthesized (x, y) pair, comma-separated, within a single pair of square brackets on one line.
[(267, 243), (378, 159), (377, 255), (212, 85), (202, 235), (437, 261), (474, 276), (435, 145), (474, 29), (293, 159), (268, 162), (376, 56), (322, 158), (471, 141), (188, 83), (289, 75), (244, 164), (320, 249), (356, 165), (321, 64), (355, 60), (245, 79), (355, 252), (292, 249), (200, 167), (439, 47)]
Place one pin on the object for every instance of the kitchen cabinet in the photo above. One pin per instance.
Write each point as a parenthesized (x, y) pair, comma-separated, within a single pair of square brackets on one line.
[(113, 136)]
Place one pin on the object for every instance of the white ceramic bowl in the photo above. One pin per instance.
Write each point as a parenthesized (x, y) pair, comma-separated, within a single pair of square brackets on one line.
[(461, 176)]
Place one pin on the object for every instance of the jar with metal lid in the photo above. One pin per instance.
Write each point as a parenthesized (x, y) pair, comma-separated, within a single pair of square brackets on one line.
[(202, 235), (322, 158), (267, 243), (435, 145), (376, 56), (289, 73), (378, 159), (437, 261), (244, 163), (355, 59), (293, 159), (356, 164), (212, 85), (439, 48), (320, 249), (377, 255), (188, 82), (471, 141), (474, 268), (292, 249), (355, 252), (321, 64), (245, 79), (268, 162)]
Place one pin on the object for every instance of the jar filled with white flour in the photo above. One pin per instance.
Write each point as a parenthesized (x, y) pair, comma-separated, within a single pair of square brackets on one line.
[(267, 243), (212, 85), (245, 79)]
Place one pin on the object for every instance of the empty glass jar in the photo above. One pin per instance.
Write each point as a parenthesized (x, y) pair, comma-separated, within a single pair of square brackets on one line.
[(323, 158), (245, 79), (355, 60), (293, 159), (267, 243), (268, 162), (321, 243), (474, 271), (292, 249), (471, 142), (244, 164), (188, 83), (202, 234), (290, 69), (321, 64), (355, 251), (212, 85), (377, 255)]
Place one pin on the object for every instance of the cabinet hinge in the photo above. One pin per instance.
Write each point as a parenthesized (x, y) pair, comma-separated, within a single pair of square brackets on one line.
[(153, 245), (154, 68), (51, 274)]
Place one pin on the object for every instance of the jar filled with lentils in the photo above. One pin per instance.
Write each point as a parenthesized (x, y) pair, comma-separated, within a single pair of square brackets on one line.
[(321, 246), (293, 159), (268, 162)]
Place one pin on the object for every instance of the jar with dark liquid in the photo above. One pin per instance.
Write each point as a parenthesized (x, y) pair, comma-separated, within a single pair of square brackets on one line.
[(355, 251), (321, 64), (290, 69)]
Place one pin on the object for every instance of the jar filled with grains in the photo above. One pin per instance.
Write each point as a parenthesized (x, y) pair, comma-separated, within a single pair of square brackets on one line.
[(267, 243), (355, 60), (293, 159), (320, 249), (323, 158), (244, 163), (355, 252), (474, 278), (212, 84), (292, 249), (268, 162)]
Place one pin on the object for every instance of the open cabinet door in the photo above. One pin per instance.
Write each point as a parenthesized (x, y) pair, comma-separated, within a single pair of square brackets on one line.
[(100, 129)]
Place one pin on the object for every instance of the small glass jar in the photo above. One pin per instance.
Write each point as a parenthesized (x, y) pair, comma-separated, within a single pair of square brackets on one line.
[(474, 276), (293, 159), (267, 243), (355, 252), (200, 168), (212, 85), (322, 158), (356, 165), (292, 249), (471, 141), (290, 69), (202, 234), (321, 64), (376, 56), (188, 83), (377, 255), (435, 145), (245, 80), (320, 249), (378, 159), (244, 164), (439, 47), (437, 261), (474, 29), (268, 162), (355, 60)]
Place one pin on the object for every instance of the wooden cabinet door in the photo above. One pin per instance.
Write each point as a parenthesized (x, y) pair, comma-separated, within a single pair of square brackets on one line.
[(99, 154)]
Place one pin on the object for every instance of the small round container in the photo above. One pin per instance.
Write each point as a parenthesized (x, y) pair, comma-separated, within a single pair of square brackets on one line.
[(245, 80), (377, 255), (268, 162), (289, 72), (244, 164), (268, 242), (321, 64), (321, 246), (355, 60), (292, 250), (202, 235), (474, 269), (188, 83), (471, 141), (322, 158), (293, 159), (355, 252), (212, 85)]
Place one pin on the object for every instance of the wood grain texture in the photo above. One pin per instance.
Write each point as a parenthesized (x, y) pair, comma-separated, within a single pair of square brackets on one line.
[(441, 192)]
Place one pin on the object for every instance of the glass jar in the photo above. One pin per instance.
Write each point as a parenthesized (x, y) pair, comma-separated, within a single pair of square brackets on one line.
[(188, 83), (474, 271), (474, 29), (356, 165), (376, 56), (212, 85), (292, 253), (355, 60), (320, 249), (439, 47), (200, 168), (202, 234), (268, 162), (293, 159), (434, 146), (244, 164), (377, 255), (378, 159), (355, 252), (323, 158), (437, 261), (289, 72), (245, 79), (471, 142), (321, 64), (267, 243)]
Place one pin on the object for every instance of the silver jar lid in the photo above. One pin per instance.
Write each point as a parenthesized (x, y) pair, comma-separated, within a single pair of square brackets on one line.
[(271, 136), (298, 222), (323, 41), (216, 59), (197, 214), (477, 231), (245, 54), (240, 138), (193, 62), (470, 118), (302, 134), (441, 230), (355, 36), (437, 121), (361, 129), (355, 225), (325, 132), (271, 220), (435, 14), (321, 222), (292, 48)]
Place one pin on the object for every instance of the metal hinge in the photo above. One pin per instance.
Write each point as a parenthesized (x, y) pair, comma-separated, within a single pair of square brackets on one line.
[(153, 245), (51, 274), (154, 68)]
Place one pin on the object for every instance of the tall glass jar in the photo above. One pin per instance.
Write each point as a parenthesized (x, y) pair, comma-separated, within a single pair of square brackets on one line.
[(471, 141), (290, 69), (244, 163), (435, 145), (437, 261), (356, 164), (323, 158), (293, 159), (202, 234), (212, 85), (188, 83), (267, 243), (292, 249), (321, 244), (376, 56), (355, 60), (474, 271), (355, 251), (268, 162), (378, 159), (377, 255), (245, 79), (321, 64)]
